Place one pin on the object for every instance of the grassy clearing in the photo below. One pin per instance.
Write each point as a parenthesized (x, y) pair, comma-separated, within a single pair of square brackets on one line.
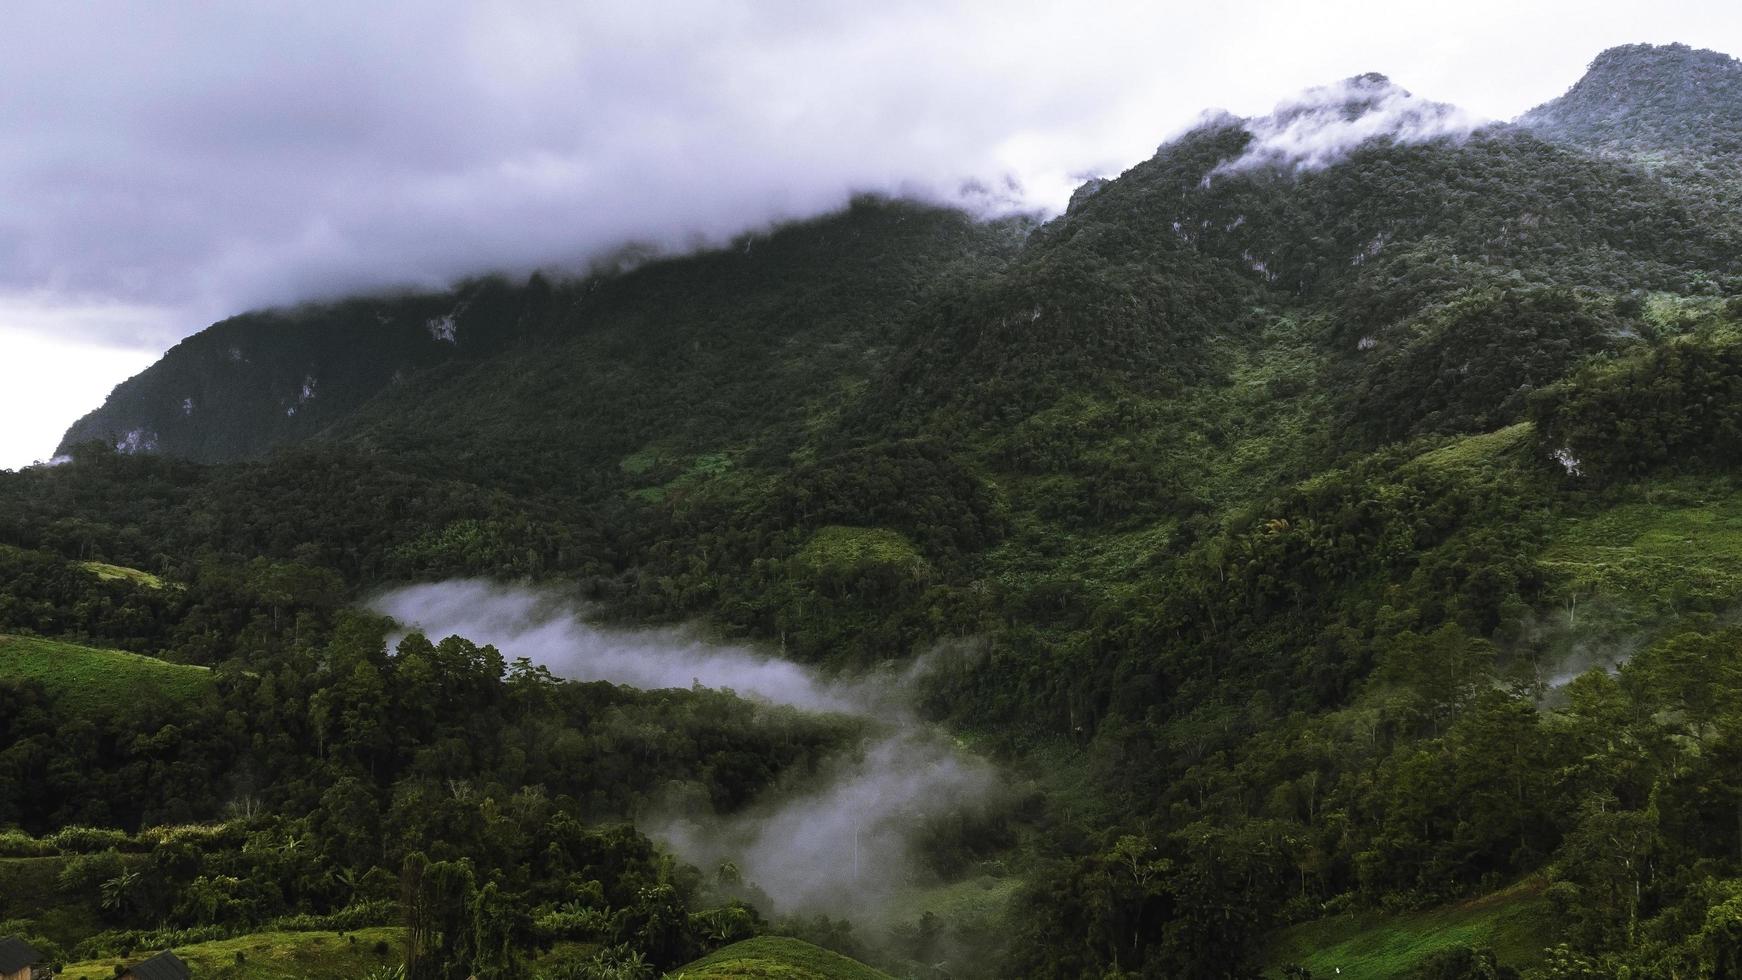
[(87, 680), (640, 462), (775, 958), (1681, 547), (1515, 923), (272, 956), (845, 548), (1475, 452), (982, 897), (108, 572)]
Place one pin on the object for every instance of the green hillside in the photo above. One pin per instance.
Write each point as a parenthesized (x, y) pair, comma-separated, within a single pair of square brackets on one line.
[(272, 956), (89, 681), (1516, 924), (775, 958)]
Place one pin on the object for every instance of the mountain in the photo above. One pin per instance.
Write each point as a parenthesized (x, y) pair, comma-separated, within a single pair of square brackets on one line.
[(1647, 99), (1241, 209), (262, 380), (1336, 512)]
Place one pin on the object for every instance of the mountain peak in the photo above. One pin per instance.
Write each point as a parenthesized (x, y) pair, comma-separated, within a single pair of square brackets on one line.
[(1625, 57), (1645, 98)]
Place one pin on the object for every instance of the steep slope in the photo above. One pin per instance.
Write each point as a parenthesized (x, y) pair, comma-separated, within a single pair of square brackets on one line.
[(1357, 200), (555, 364), (695, 365), (254, 382)]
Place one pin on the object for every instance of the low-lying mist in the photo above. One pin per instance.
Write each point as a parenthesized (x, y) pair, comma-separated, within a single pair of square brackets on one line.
[(845, 845), (841, 842), (1595, 634)]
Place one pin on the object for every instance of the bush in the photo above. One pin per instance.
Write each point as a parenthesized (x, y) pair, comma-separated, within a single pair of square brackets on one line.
[(86, 873), (88, 840), (16, 843), (205, 836), (122, 942), (357, 915)]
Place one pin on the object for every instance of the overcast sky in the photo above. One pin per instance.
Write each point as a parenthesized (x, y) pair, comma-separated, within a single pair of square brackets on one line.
[(165, 163)]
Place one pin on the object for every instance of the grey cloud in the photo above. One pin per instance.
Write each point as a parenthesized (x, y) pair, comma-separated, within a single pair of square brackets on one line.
[(840, 840), (188, 160), (214, 157)]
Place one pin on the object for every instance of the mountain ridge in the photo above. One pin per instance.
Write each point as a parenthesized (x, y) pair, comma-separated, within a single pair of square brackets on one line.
[(1643, 98), (305, 381)]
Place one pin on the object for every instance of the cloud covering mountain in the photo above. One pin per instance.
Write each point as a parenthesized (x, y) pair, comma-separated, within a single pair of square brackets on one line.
[(180, 161)]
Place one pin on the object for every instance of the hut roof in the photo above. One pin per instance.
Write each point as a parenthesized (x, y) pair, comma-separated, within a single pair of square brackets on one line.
[(164, 966), (16, 954)]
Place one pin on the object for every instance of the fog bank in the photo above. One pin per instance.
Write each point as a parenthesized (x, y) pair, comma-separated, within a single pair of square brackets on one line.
[(841, 842), (549, 629)]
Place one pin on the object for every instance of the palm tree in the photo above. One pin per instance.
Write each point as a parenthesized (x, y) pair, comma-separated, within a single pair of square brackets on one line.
[(121, 893), (349, 879)]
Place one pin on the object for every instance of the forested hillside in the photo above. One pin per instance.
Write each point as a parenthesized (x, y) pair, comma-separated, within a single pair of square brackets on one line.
[(1335, 555)]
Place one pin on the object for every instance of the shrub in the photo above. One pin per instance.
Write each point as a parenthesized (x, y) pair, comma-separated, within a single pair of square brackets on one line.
[(16, 843), (86, 873), (87, 840)]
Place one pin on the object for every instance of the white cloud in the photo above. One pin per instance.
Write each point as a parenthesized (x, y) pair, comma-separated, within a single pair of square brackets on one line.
[(1326, 122)]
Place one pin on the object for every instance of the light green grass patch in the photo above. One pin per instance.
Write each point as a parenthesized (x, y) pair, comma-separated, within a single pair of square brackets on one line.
[(1515, 923), (708, 465), (1680, 548), (1672, 313), (980, 897), (640, 462), (108, 572), (1107, 565), (840, 548), (775, 958), (712, 474), (272, 956), (89, 681), (1474, 452)]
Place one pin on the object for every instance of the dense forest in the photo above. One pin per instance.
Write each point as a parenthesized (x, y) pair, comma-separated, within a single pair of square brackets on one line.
[(1313, 553)]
